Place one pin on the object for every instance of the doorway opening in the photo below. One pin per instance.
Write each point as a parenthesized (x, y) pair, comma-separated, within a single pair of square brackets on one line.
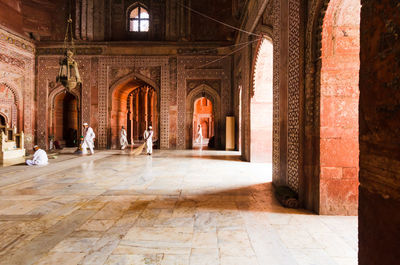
[(261, 106), (135, 106), (3, 120), (203, 124), (141, 113), (66, 120)]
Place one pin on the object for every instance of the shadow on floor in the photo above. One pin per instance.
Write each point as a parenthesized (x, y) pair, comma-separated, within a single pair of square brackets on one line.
[(190, 155), (255, 198)]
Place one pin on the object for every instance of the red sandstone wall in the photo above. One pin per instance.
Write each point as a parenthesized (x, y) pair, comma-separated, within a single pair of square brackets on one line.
[(339, 109), (45, 20), (379, 215)]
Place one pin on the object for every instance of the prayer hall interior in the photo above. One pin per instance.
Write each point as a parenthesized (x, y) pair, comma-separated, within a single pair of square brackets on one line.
[(275, 132)]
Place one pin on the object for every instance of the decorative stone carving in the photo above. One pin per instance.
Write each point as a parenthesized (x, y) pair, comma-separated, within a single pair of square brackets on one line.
[(294, 96), (276, 91), (141, 63)]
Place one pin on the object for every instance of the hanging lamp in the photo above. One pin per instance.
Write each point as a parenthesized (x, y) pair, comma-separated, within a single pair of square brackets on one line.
[(69, 75)]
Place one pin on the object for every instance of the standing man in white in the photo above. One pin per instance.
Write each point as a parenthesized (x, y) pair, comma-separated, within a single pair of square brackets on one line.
[(199, 138), (148, 137), (39, 157), (88, 139), (122, 138)]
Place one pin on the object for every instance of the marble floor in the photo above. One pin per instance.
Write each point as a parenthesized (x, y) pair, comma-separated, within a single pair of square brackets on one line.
[(176, 207)]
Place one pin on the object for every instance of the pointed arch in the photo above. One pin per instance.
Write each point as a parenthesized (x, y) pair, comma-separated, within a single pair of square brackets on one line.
[(118, 111), (129, 77), (138, 18)]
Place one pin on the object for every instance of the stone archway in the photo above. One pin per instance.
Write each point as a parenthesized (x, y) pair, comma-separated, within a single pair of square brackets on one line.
[(209, 93), (56, 92), (3, 119), (134, 103)]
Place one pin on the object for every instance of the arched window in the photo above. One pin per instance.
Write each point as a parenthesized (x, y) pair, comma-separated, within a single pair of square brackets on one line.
[(139, 20)]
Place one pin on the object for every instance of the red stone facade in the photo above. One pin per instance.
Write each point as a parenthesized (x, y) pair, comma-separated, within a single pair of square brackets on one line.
[(339, 92)]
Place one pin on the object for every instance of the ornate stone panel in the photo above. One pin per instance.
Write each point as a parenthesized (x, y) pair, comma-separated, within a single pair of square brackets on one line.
[(106, 64), (276, 97), (215, 84), (17, 64), (294, 95)]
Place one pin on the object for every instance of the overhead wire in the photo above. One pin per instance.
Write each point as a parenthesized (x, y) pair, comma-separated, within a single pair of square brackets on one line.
[(218, 21), (221, 47), (223, 57)]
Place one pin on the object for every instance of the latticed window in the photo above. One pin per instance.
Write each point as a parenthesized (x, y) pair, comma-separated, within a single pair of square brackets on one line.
[(139, 20)]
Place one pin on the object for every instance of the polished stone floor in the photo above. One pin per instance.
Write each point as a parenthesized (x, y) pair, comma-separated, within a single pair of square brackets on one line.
[(176, 207)]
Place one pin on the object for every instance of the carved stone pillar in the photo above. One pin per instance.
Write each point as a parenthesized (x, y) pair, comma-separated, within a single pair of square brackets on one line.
[(150, 107), (136, 115), (131, 116), (142, 111), (155, 115)]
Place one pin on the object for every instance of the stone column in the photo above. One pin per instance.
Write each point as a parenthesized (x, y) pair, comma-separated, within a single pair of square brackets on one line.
[(131, 115), (142, 111), (150, 108), (136, 115)]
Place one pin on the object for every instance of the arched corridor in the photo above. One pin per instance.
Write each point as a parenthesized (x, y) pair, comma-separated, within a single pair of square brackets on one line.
[(134, 106), (203, 120)]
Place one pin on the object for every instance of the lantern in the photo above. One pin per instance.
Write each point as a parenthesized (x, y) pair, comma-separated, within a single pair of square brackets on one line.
[(68, 74)]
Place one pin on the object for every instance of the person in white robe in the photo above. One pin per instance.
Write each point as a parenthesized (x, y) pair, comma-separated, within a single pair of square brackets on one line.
[(199, 138), (123, 139), (88, 139), (39, 157), (148, 137)]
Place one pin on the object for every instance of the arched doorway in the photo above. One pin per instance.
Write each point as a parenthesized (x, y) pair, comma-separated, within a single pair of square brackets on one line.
[(261, 106), (3, 120), (65, 121), (134, 105), (203, 116), (339, 96)]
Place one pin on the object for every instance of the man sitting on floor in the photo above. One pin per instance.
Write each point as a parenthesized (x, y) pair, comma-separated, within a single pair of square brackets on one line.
[(39, 157)]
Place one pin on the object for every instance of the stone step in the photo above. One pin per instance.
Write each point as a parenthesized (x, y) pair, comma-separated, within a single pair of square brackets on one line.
[(12, 154)]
